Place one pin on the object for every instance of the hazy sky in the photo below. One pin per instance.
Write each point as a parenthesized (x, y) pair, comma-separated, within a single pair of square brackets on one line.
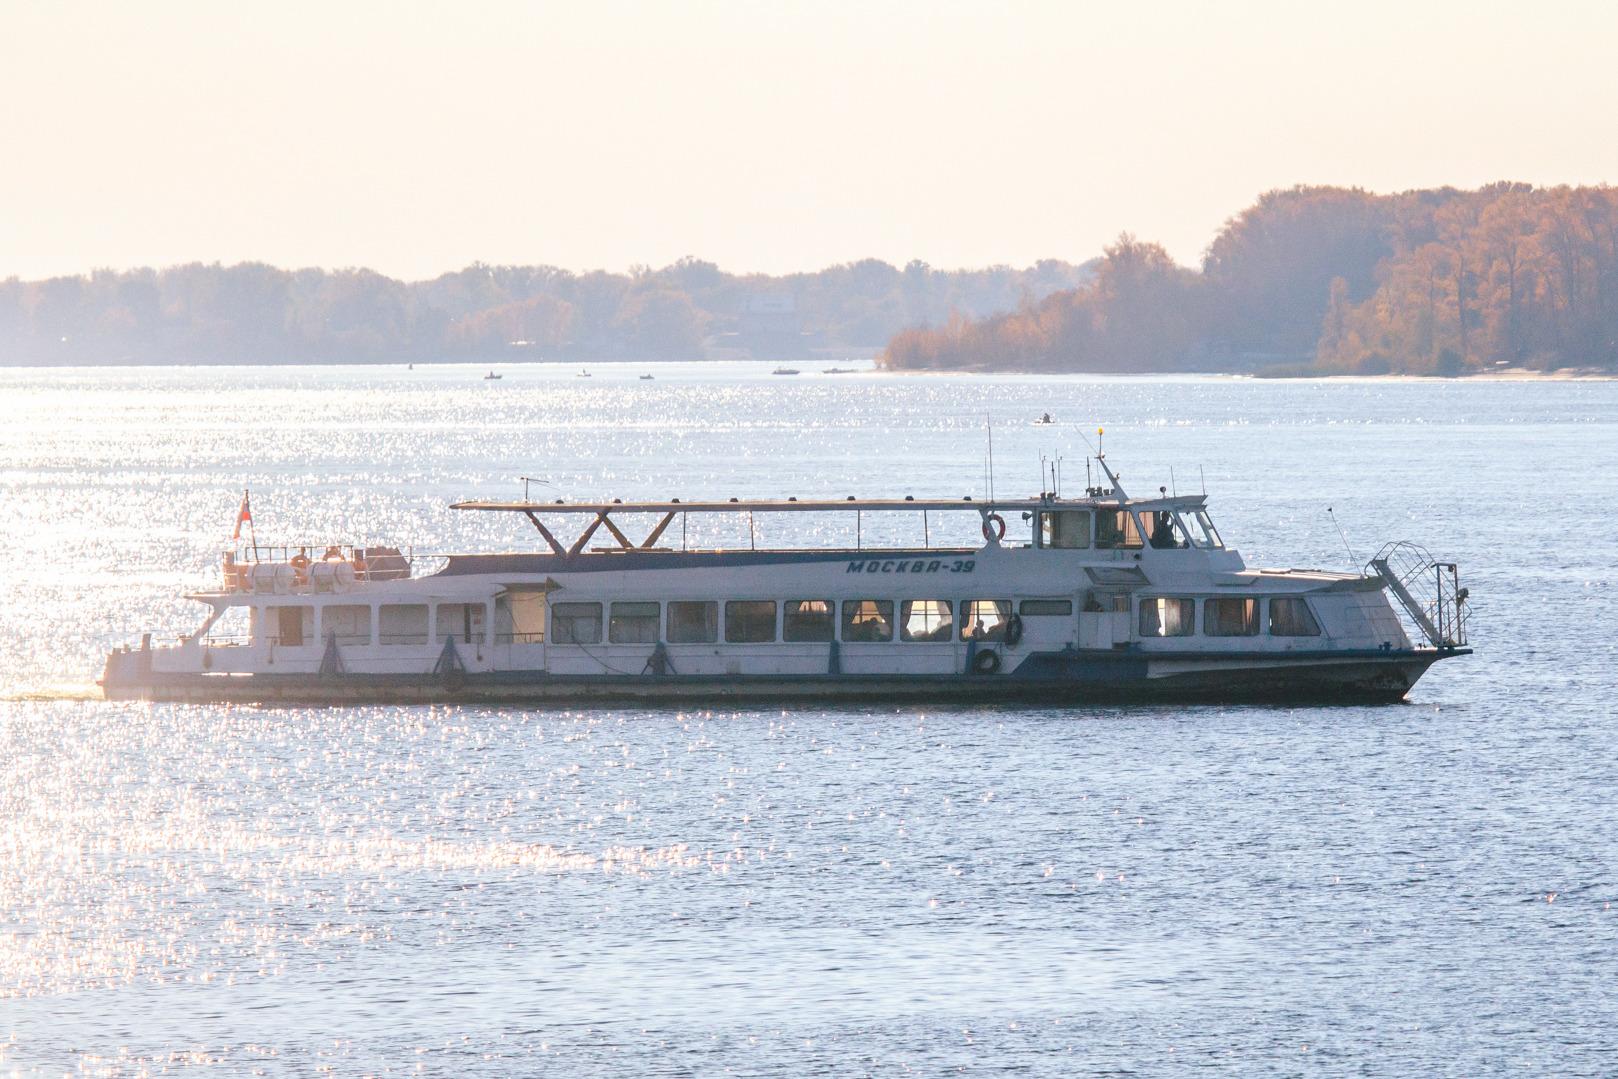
[(416, 138)]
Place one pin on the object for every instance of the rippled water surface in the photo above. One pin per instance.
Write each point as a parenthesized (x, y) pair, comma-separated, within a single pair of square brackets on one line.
[(1418, 889)]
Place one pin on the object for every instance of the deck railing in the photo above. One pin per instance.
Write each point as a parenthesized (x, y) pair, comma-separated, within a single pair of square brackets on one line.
[(1430, 591), (244, 566)]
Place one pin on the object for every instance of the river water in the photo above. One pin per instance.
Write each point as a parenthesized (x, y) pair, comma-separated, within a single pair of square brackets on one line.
[(1417, 889)]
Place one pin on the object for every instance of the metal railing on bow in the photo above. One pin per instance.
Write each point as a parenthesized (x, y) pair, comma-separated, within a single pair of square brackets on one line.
[(1429, 591)]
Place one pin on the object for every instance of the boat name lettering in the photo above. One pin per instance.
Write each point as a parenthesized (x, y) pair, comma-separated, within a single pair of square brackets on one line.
[(909, 565)]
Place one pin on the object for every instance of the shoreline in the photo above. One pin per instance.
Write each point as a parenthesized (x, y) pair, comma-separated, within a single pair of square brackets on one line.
[(1514, 374)]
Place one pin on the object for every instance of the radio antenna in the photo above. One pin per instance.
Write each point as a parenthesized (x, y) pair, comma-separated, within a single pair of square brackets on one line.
[(1172, 487), (988, 423), (1352, 560)]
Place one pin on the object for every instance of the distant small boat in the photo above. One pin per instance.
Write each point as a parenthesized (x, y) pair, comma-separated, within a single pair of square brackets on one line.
[(784, 371), (838, 371), (582, 374), (412, 367), (646, 378), (492, 375), (1046, 418)]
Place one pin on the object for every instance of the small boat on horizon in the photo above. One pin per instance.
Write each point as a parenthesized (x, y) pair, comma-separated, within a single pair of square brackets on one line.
[(646, 378), (582, 374), (492, 375), (785, 371)]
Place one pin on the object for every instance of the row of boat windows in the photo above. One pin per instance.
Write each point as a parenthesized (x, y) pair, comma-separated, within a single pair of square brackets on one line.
[(1126, 529), (1173, 616), (764, 621), (682, 621), (396, 623)]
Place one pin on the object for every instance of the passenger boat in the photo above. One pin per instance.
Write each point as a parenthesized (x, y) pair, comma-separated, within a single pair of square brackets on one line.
[(1102, 597)]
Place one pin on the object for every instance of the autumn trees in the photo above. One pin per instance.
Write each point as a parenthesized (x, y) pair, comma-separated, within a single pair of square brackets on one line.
[(1334, 280), (1310, 279), (1507, 275)]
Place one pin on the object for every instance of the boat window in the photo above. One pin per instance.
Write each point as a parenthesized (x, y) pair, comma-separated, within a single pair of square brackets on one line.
[(1198, 527), (1116, 529), (350, 622), (575, 623), (519, 617), (232, 627), (291, 627), (693, 621), (750, 621), (985, 619), (1068, 529), (867, 620), (1038, 607), (525, 619), (925, 620), (807, 620), (632, 623), (402, 623), (461, 621), (1291, 617), (1163, 531), (1165, 616), (1230, 617)]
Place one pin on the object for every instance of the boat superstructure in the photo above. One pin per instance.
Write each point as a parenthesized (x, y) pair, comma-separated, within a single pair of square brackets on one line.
[(1103, 597)]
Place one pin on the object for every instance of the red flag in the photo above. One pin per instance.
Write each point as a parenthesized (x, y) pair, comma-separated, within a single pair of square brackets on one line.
[(244, 516)]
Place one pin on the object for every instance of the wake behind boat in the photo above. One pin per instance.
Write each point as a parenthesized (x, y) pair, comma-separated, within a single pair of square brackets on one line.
[(1100, 598)]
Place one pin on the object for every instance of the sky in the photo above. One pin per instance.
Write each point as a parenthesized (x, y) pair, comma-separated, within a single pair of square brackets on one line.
[(418, 138)]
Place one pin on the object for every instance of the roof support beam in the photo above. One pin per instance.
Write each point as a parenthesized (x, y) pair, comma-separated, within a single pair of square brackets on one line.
[(556, 547), (622, 539), (578, 544), (657, 533)]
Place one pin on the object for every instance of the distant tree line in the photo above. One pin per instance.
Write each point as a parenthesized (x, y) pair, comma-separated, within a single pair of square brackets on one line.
[(1317, 280), (254, 313)]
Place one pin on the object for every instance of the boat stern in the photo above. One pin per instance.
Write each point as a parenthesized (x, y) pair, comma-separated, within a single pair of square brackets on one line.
[(127, 674)]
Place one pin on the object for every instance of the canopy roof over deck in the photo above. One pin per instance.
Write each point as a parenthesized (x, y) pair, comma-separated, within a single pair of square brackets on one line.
[(604, 511)]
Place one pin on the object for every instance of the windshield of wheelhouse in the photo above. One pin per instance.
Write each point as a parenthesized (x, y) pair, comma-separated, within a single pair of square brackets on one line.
[(1197, 527)]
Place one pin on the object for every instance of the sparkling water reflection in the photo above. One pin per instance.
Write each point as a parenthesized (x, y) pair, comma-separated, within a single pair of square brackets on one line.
[(1418, 889)]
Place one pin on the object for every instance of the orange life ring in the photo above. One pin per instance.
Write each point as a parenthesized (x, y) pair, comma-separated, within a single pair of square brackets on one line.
[(994, 527), (300, 567)]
